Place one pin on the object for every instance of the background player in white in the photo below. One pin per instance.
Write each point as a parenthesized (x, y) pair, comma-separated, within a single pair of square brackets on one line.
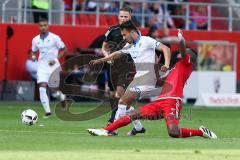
[(142, 50), (31, 67), (48, 73)]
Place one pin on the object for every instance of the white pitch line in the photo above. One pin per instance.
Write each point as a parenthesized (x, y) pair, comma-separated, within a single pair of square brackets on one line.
[(69, 133)]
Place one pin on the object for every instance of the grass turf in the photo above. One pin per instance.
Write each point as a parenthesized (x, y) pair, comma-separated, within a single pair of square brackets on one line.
[(56, 139)]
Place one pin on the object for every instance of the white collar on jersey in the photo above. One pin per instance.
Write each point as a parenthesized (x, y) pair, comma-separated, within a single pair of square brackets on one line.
[(44, 36)]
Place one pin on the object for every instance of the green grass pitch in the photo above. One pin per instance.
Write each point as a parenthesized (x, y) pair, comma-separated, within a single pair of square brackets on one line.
[(56, 139)]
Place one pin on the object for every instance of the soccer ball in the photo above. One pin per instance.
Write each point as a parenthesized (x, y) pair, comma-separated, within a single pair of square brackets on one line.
[(29, 117)]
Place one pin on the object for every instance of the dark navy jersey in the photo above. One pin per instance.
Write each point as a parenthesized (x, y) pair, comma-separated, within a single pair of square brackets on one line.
[(114, 38), (123, 67)]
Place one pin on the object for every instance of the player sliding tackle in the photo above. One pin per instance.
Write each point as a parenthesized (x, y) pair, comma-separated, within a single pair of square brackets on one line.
[(142, 50), (169, 104)]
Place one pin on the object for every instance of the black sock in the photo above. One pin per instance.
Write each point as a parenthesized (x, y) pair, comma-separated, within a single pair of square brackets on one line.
[(114, 106)]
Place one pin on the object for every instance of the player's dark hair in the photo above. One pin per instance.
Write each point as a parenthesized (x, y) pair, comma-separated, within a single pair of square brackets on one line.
[(152, 29), (175, 58), (129, 26), (126, 9), (42, 20)]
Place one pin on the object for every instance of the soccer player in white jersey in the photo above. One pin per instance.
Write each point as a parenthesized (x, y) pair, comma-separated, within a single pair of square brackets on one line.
[(48, 73), (142, 50)]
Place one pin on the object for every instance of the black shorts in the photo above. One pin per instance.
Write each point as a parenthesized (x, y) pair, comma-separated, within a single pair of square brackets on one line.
[(120, 74)]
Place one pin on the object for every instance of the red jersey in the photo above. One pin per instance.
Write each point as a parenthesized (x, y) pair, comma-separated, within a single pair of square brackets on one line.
[(176, 79)]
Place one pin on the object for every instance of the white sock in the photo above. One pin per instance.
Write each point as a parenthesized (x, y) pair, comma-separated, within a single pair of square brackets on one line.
[(121, 111), (136, 123), (59, 95), (44, 99)]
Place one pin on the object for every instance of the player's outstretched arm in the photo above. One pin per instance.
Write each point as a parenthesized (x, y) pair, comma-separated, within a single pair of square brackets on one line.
[(166, 54), (170, 40), (104, 51), (183, 50), (111, 57), (182, 44)]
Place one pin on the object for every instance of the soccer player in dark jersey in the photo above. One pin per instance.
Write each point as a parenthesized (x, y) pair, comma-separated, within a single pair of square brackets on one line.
[(169, 103), (122, 70)]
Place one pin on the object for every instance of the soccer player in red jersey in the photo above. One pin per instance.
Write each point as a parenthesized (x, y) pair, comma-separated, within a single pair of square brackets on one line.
[(169, 104)]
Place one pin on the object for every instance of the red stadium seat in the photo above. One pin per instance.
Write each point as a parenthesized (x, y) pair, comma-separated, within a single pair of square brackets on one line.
[(82, 19), (216, 23), (112, 20), (92, 19), (219, 25), (103, 20), (77, 19), (67, 18)]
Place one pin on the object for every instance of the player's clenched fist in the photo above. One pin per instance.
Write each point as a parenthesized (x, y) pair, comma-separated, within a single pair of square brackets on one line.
[(164, 68), (180, 33)]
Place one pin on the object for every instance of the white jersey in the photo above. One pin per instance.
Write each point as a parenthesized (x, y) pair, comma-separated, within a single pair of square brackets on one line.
[(32, 67), (143, 54), (48, 50), (48, 47)]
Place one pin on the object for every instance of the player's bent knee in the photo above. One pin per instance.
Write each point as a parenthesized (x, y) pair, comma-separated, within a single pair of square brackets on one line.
[(43, 84), (173, 134), (127, 99), (173, 131)]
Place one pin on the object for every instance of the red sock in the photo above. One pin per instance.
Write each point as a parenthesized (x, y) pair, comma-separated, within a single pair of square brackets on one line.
[(123, 121), (186, 132)]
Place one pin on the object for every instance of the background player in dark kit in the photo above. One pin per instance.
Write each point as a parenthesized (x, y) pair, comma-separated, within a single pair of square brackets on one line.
[(120, 71)]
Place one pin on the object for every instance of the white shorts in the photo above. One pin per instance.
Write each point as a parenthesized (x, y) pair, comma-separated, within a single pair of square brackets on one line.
[(144, 86), (49, 75)]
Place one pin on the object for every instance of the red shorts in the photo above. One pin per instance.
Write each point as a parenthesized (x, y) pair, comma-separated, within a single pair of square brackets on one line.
[(169, 109)]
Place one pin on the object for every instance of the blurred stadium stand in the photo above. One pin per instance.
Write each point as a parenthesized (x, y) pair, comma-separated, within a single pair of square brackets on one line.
[(220, 15)]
